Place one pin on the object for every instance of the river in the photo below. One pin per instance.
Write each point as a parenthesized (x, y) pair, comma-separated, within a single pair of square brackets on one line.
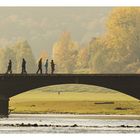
[(68, 123)]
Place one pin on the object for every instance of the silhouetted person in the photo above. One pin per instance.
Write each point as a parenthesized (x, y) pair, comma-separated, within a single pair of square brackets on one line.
[(46, 66), (23, 67), (9, 68), (39, 66), (52, 67)]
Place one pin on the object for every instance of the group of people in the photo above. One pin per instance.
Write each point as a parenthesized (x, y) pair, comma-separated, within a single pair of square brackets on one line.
[(24, 71), (46, 66)]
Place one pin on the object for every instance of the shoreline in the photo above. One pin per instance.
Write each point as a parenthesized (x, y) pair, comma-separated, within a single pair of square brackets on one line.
[(74, 125), (80, 116)]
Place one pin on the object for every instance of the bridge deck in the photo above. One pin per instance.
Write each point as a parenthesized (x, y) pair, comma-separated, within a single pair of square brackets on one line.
[(69, 75)]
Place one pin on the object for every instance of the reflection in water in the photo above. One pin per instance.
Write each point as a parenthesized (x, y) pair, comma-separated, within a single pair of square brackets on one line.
[(57, 123)]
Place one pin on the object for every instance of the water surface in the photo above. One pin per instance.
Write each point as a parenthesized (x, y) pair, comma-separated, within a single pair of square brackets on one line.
[(68, 123)]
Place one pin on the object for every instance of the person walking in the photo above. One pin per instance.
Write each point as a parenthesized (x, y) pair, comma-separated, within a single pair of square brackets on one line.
[(52, 67), (9, 68), (46, 66), (39, 66), (23, 67)]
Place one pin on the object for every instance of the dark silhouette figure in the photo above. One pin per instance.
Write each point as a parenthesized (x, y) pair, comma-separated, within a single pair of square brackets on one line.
[(39, 66), (9, 68), (23, 67), (46, 66), (52, 67)]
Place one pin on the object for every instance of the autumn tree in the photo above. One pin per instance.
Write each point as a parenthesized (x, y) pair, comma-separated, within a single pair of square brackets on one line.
[(16, 52), (6, 53), (43, 55), (65, 53), (124, 37), (23, 50), (120, 51), (83, 58)]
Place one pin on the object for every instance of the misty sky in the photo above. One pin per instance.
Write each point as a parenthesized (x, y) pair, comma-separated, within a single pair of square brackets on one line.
[(41, 27)]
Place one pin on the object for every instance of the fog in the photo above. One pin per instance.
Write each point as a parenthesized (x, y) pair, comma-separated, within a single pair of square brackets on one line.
[(41, 27)]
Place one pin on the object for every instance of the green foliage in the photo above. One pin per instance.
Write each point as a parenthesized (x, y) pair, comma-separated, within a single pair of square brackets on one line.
[(6, 54), (23, 50), (16, 53)]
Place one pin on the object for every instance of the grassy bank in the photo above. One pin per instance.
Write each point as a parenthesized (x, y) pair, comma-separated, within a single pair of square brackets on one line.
[(97, 102)]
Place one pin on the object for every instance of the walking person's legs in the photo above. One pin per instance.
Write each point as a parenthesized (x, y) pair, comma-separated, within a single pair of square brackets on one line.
[(25, 71), (41, 71), (22, 71), (37, 71), (7, 71), (52, 71), (10, 71), (46, 71)]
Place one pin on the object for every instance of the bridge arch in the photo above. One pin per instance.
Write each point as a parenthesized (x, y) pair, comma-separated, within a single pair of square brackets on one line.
[(62, 88), (11, 85), (28, 87)]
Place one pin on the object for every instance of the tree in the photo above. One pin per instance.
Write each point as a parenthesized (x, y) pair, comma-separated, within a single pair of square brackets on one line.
[(121, 43), (83, 58), (124, 35), (65, 53), (23, 50), (96, 53), (43, 55), (6, 54), (16, 52)]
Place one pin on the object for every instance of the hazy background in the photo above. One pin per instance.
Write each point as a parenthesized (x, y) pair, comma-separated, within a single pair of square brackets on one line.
[(79, 39), (41, 27)]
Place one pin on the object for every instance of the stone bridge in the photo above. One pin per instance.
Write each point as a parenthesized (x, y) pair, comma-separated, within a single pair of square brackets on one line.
[(13, 84)]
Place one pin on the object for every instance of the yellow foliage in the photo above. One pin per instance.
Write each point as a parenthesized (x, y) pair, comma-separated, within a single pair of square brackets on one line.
[(123, 27), (64, 53), (43, 55)]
